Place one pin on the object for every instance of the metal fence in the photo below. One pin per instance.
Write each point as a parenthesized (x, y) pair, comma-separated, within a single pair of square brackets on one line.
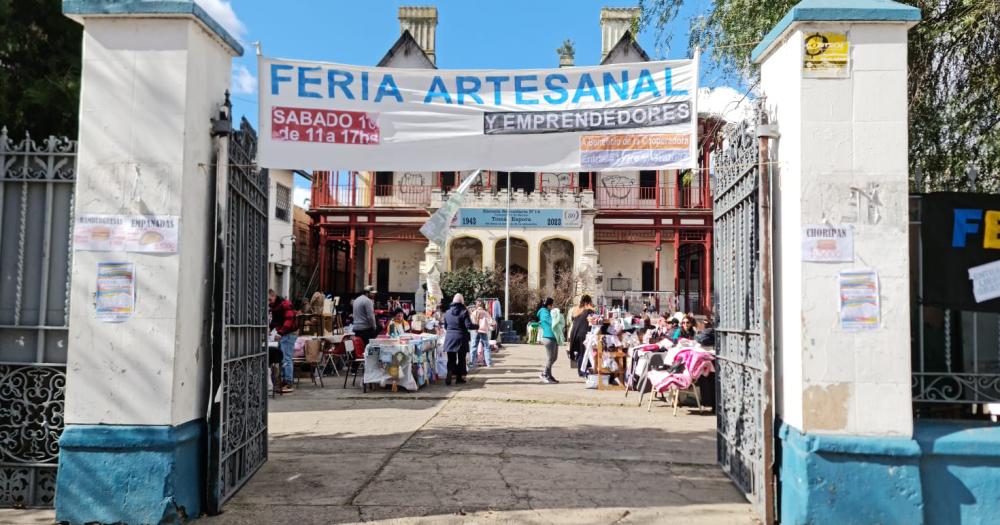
[(36, 217), (238, 419), (955, 353), (744, 440)]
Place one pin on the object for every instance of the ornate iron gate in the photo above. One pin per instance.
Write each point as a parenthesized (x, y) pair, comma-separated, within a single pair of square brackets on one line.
[(36, 220), (743, 344), (239, 366)]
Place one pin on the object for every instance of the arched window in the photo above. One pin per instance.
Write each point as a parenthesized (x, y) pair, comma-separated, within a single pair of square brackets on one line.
[(466, 252)]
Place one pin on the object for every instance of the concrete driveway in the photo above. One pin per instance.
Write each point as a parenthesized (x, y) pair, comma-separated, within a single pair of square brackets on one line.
[(503, 448)]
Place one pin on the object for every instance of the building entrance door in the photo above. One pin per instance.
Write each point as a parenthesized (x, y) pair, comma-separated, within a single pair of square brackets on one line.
[(382, 275), (648, 276), (519, 180)]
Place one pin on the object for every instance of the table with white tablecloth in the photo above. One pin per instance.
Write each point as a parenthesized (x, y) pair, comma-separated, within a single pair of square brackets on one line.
[(406, 362)]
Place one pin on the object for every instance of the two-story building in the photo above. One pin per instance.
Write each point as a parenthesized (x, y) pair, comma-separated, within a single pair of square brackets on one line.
[(632, 234), (280, 239)]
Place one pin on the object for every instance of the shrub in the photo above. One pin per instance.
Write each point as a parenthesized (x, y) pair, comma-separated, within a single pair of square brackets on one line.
[(472, 284)]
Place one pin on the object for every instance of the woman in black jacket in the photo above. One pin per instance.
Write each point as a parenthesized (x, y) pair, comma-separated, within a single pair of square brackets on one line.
[(579, 329), (457, 324)]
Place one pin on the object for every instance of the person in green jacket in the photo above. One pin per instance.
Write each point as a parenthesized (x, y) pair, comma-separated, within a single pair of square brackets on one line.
[(548, 341), (558, 326)]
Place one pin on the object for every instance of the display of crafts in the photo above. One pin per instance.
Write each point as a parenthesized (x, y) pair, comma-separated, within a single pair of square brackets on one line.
[(395, 363)]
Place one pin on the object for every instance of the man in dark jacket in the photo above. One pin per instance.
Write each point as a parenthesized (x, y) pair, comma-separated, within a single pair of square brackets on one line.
[(457, 324), (283, 322)]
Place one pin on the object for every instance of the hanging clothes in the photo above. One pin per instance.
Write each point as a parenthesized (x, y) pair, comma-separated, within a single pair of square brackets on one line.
[(558, 326), (497, 310)]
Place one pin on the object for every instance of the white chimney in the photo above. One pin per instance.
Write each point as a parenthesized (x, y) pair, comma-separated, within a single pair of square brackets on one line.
[(422, 23), (614, 22)]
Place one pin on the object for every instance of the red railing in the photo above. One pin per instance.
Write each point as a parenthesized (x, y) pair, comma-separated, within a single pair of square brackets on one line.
[(632, 197), (391, 195), (327, 192), (611, 192)]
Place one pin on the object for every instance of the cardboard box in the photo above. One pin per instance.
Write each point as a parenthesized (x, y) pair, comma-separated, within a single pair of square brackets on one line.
[(314, 349)]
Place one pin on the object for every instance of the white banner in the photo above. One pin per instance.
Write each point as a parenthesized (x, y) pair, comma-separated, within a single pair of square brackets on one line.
[(320, 116), (436, 228)]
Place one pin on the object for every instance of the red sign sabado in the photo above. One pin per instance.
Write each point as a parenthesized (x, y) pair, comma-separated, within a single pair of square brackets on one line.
[(327, 126)]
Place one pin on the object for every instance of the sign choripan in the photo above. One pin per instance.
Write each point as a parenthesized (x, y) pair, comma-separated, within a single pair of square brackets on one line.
[(323, 116)]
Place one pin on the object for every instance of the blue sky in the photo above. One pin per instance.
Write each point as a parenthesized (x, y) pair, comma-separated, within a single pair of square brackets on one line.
[(508, 34)]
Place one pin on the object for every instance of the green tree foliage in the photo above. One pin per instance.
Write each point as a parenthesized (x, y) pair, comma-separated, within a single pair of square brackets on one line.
[(954, 80), (39, 68), (472, 283)]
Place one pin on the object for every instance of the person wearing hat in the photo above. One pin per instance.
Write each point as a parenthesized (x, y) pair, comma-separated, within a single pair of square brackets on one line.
[(365, 326), (457, 325)]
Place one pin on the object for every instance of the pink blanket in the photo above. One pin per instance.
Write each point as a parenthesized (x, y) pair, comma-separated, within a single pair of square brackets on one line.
[(697, 363)]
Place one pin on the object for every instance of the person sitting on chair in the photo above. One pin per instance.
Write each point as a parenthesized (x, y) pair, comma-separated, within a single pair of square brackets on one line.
[(398, 325)]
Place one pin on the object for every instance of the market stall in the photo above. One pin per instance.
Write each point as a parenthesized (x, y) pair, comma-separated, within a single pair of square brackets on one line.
[(408, 362)]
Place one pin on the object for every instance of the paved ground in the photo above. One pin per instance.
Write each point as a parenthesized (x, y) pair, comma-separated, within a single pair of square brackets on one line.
[(502, 449)]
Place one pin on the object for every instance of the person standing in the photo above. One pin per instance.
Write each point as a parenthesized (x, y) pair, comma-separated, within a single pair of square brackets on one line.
[(579, 329), (365, 326), (283, 322), (548, 340), (457, 325), (484, 325)]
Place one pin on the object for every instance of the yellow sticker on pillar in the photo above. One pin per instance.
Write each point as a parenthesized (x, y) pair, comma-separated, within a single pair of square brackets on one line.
[(826, 55)]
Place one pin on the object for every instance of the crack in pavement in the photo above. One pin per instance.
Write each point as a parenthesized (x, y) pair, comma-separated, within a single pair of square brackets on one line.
[(388, 457), (620, 518), (417, 451)]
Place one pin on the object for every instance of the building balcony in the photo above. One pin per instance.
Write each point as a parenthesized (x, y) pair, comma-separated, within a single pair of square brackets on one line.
[(479, 197), (608, 197), (664, 197)]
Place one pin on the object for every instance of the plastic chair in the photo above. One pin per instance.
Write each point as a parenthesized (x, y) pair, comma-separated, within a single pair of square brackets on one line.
[(331, 356), (655, 361), (691, 389), (354, 364)]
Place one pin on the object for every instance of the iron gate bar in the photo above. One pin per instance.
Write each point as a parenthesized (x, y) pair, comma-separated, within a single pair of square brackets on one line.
[(238, 419), (36, 213), (742, 263)]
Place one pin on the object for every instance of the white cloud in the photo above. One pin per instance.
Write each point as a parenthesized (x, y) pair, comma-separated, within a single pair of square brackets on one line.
[(222, 12), (244, 83), (725, 102), (300, 195)]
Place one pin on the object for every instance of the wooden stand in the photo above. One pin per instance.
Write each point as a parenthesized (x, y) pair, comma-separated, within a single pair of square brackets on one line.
[(601, 372)]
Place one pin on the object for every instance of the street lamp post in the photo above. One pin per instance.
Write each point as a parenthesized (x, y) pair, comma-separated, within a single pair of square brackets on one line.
[(506, 281)]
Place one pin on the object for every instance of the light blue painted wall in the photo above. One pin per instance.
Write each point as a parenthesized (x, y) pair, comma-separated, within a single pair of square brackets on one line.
[(131, 474), (949, 473)]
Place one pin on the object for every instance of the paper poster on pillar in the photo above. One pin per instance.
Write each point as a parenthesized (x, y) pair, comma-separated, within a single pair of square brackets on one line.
[(115, 296), (126, 233), (859, 306), (318, 116), (828, 243)]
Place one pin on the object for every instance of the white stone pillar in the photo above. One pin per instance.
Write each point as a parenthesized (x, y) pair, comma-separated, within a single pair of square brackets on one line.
[(153, 75), (844, 394), (489, 253), (534, 262), (838, 136)]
